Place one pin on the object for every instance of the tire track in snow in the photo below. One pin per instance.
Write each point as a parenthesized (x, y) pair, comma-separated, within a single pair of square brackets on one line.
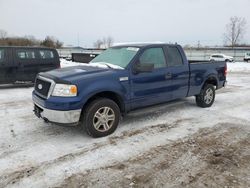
[(13, 177)]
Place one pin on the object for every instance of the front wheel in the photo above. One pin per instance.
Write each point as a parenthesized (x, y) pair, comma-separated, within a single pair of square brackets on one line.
[(101, 117), (206, 97)]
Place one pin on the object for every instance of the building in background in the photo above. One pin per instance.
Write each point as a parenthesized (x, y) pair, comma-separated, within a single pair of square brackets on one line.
[(204, 53)]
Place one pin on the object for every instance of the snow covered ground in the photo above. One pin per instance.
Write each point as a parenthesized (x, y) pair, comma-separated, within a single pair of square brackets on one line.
[(238, 67), (162, 145)]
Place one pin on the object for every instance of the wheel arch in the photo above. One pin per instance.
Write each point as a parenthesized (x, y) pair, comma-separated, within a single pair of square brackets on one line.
[(211, 79), (117, 98)]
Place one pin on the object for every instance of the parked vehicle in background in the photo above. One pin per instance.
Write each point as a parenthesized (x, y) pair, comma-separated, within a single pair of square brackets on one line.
[(83, 57), (121, 79), (221, 57), (24, 63), (247, 57)]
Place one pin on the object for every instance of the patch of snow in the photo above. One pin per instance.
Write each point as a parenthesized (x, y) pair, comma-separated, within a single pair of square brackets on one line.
[(238, 67), (134, 43), (66, 63)]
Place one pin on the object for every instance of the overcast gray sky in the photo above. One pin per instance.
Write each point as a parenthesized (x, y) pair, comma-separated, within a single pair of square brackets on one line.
[(182, 21)]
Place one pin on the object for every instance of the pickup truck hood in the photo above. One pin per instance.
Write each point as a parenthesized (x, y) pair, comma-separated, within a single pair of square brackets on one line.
[(74, 73)]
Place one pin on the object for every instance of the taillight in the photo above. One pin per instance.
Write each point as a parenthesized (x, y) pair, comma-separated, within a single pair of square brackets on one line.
[(225, 70)]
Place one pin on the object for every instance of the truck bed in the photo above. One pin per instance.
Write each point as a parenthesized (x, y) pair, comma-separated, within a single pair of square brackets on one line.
[(200, 70)]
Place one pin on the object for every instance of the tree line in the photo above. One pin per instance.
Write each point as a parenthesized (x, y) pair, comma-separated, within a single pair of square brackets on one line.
[(105, 42), (49, 41)]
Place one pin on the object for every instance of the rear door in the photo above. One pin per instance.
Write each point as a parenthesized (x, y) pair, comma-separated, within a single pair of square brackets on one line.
[(28, 64), (151, 87), (48, 60), (179, 71)]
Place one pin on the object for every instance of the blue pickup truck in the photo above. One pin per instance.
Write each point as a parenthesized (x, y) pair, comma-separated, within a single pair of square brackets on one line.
[(121, 79)]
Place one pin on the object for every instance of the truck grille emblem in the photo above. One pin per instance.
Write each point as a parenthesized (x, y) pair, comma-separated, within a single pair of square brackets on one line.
[(40, 86)]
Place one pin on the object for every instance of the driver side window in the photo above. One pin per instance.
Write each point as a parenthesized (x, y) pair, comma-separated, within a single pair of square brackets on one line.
[(153, 56)]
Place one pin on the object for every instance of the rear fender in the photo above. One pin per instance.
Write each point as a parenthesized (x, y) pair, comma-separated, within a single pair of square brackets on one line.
[(211, 79)]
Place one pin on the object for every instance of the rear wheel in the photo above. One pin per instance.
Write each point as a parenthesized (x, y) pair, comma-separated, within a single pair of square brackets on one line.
[(101, 117), (206, 97)]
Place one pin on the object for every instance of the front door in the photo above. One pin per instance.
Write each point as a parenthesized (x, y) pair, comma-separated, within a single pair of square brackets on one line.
[(153, 87)]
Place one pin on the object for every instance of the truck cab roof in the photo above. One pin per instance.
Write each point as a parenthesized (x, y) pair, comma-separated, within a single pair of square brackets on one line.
[(142, 45)]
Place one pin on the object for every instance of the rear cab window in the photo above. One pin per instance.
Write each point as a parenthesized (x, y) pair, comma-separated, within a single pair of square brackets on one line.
[(153, 56), (173, 56), (46, 54)]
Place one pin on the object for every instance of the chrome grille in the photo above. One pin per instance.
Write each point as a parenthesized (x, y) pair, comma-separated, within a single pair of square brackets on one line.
[(43, 87)]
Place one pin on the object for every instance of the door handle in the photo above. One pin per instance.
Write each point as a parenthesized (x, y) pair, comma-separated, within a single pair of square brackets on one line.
[(168, 75)]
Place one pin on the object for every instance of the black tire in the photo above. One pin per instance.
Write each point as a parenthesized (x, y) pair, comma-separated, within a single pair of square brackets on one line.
[(204, 99), (89, 117), (227, 60)]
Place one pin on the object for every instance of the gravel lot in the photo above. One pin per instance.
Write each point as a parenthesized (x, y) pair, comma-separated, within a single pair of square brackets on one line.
[(173, 145)]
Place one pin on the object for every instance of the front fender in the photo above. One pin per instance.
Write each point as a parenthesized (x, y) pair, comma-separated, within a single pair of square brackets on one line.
[(90, 90)]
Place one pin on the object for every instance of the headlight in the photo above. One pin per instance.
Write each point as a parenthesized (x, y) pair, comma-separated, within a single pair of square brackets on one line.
[(64, 90)]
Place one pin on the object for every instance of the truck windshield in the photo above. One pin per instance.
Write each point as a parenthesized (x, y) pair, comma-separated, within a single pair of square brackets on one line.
[(119, 56)]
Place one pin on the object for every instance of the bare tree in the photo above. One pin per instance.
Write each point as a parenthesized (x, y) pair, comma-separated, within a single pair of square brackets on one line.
[(235, 31), (3, 34), (28, 40), (109, 41), (51, 42), (59, 44), (105, 42), (98, 43)]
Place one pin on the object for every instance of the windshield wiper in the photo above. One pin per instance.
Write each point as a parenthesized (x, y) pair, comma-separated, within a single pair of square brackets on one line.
[(108, 65)]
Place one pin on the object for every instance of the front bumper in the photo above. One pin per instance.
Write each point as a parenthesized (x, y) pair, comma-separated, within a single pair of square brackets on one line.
[(56, 116)]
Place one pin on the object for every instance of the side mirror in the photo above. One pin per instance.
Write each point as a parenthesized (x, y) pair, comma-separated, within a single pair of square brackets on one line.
[(140, 68)]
